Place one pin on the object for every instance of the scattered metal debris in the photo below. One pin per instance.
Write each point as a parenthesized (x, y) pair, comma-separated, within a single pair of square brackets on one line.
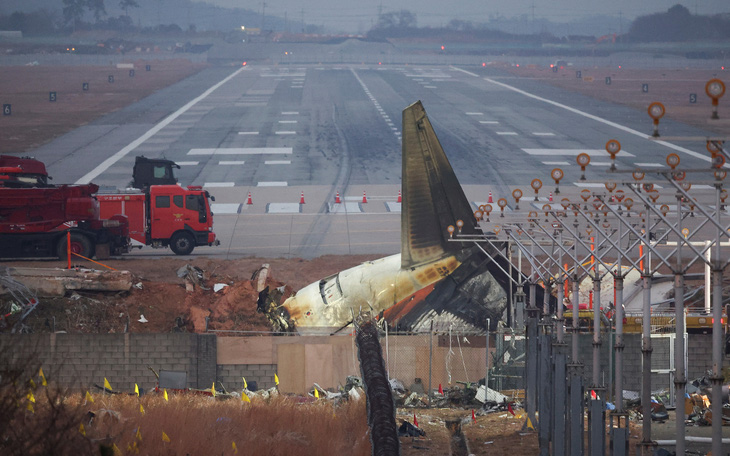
[(23, 303), (194, 277)]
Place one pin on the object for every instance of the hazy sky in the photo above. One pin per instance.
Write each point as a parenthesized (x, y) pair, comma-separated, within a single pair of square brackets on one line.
[(360, 15)]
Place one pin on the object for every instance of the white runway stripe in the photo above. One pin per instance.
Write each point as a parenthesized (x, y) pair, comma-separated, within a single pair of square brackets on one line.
[(218, 184), (241, 151), (272, 184), (572, 152), (277, 162), (88, 177), (232, 162)]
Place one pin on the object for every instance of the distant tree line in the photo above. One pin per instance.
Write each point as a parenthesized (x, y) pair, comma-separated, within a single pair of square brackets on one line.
[(677, 25)]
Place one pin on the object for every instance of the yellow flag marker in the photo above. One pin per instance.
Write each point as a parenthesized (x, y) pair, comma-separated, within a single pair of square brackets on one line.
[(43, 377), (138, 435), (32, 384), (30, 408), (276, 379), (107, 385), (244, 397), (31, 397), (316, 393), (245, 384), (136, 390), (141, 409), (165, 438), (212, 389), (82, 430), (89, 397), (529, 424), (233, 445), (165, 395)]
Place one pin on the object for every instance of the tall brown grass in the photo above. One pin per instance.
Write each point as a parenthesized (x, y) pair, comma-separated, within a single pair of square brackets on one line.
[(198, 425)]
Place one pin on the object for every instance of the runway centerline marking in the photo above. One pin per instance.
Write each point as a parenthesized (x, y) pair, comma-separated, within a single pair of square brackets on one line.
[(219, 184), (231, 162), (94, 173), (187, 163), (591, 116), (375, 102), (272, 184), (277, 162), (248, 132)]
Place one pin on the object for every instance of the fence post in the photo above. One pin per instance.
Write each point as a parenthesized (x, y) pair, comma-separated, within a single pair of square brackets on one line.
[(486, 374), (430, 363)]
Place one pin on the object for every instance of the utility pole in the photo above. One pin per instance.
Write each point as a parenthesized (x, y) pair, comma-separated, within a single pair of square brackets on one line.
[(263, 16)]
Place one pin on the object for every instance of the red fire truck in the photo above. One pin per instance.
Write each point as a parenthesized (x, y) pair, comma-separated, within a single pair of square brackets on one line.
[(35, 216)]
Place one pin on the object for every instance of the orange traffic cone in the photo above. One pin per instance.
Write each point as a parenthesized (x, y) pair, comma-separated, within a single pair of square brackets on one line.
[(249, 200), (415, 420), (400, 198), (473, 416), (301, 199), (490, 198), (551, 197), (337, 198), (441, 390), (364, 197)]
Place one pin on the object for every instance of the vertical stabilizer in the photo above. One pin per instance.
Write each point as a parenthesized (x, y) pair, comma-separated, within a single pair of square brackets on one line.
[(432, 196)]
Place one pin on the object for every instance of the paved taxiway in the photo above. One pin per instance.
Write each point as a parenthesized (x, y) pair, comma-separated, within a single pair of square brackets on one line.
[(278, 131)]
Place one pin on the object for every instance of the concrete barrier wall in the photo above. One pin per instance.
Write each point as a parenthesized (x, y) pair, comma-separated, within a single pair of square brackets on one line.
[(80, 360)]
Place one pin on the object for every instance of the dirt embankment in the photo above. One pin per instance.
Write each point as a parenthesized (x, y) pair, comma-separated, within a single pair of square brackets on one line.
[(162, 298)]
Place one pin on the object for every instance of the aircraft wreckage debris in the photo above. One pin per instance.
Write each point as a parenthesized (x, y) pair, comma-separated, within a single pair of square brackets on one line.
[(56, 282)]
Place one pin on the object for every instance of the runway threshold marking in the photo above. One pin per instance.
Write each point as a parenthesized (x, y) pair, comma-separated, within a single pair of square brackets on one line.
[(573, 152), (591, 116), (241, 151), (94, 173)]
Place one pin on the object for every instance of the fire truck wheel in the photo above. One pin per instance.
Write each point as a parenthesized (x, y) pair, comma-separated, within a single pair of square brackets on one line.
[(182, 243), (80, 244)]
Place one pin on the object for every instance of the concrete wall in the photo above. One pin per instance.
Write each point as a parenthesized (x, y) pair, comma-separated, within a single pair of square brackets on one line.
[(86, 359), (80, 360)]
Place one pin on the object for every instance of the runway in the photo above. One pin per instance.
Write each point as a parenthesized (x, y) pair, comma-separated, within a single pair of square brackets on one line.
[(284, 133)]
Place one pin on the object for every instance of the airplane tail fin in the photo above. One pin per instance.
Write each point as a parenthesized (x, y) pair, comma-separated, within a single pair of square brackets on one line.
[(432, 196)]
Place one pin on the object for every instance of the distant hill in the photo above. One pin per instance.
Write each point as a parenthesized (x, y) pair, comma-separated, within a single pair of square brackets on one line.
[(150, 13), (679, 25)]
